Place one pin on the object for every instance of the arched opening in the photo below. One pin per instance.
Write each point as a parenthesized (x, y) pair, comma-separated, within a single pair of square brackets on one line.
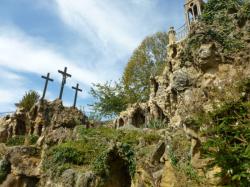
[(120, 122), (174, 54), (20, 127), (196, 14), (190, 15), (39, 130), (139, 118), (155, 85), (119, 175)]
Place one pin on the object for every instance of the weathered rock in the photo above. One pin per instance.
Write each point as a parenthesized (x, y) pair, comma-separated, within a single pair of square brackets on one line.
[(168, 178), (180, 81), (24, 161), (160, 150), (85, 179), (68, 178)]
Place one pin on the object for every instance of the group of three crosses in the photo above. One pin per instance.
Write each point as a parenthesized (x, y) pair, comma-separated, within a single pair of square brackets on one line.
[(65, 75)]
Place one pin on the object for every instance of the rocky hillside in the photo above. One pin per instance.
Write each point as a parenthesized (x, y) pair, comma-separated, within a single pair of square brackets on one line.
[(193, 131)]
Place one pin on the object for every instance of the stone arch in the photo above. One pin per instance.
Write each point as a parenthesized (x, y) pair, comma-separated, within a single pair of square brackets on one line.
[(119, 175), (190, 15), (138, 119), (195, 12), (121, 123)]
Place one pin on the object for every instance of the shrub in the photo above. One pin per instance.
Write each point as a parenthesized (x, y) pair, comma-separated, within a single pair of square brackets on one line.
[(29, 99), (230, 136), (64, 154), (4, 169), (15, 141), (32, 139), (125, 152), (156, 124)]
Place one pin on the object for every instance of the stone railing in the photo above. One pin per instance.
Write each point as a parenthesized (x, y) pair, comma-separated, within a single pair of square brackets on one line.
[(182, 33)]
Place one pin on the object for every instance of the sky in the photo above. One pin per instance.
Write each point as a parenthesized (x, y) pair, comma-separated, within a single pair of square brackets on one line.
[(93, 38)]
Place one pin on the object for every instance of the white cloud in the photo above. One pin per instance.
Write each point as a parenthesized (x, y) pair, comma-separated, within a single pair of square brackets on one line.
[(107, 32), (116, 26), (25, 54)]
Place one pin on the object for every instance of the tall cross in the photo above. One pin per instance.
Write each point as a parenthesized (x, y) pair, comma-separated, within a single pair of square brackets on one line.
[(77, 89), (65, 75), (47, 79)]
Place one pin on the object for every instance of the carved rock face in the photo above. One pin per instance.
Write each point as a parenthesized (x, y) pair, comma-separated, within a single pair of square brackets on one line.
[(181, 80), (208, 57)]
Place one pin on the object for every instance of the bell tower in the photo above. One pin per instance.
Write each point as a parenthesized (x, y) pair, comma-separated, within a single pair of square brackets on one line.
[(193, 9)]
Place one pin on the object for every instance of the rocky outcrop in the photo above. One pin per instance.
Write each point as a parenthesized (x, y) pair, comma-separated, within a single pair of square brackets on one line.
[(187, 87), (46, 119), (51, 123)]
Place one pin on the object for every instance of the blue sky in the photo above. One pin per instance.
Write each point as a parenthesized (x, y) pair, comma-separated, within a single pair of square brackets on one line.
[(93, 38)]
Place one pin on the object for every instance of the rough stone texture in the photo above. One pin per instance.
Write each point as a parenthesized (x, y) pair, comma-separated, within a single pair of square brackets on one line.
[(168, 176), (186, 87), (48, 119), (25, 161)]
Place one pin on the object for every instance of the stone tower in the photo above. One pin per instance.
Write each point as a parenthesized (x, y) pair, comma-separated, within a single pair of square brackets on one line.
[(193, 9)]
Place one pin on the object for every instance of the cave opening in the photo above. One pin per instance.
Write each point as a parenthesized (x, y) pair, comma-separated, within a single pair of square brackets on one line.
[(119, 175), (121, 122), (139, 118)]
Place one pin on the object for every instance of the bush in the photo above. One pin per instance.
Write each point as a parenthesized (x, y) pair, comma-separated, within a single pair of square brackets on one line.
[(15, 141), (4, 169), (64, 154), (32, 139), (102, 164), (230, 136), (156, 124), (28, 100)]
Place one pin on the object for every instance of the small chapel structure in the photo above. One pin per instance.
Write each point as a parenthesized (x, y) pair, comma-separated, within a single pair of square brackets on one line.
[(193, 9)]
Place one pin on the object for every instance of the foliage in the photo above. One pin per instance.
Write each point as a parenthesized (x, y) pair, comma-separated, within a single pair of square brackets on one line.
[(110, 99), (156, 124), (4, 169), (147, 60), (219, 25), (212, 7), (32, 139), (15, 141), (230, 136), (29, 99), (102, 163), (67, 154), (90, 149), (189, 171)]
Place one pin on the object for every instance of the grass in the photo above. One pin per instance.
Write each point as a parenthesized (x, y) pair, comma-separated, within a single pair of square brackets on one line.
[(15, 141), (89, 150)]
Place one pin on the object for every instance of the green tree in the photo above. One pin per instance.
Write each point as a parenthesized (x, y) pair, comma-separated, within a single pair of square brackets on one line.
[(110, 99), (147, 60), (29, 99)]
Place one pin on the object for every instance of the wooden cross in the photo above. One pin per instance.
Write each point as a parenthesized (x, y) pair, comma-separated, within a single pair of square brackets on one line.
[(65, 75), (47, 79), (77, 89)]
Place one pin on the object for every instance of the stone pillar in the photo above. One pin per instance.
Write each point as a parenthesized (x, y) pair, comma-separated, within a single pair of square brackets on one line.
[(188, 20), (171, 36), (199, 10)]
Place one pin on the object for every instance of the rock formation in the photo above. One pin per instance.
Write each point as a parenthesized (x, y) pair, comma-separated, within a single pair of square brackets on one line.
[(50, 145)]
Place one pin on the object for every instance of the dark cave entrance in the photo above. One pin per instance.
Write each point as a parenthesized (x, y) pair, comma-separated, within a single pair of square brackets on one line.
[(20, 127), (139, 118), (118, 171), (121, 122)]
